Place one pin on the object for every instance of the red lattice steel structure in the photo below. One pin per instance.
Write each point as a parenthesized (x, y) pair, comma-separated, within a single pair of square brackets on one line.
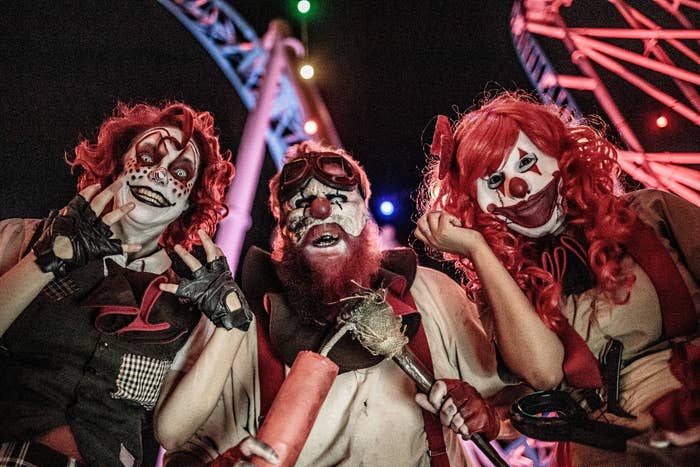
[(646, 52)]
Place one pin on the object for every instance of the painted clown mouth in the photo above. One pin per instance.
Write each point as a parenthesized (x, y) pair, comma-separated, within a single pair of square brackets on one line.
[(323, 236), (534, 211), (325, 241), (150, 197)]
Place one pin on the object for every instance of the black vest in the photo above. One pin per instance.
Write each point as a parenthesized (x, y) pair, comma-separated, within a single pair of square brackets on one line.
[(57, 367)]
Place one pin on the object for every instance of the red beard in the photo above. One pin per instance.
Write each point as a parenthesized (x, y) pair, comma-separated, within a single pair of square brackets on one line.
[(314, 288)]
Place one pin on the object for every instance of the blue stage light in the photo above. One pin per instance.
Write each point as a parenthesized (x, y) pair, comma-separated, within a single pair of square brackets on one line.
[(386, 208)]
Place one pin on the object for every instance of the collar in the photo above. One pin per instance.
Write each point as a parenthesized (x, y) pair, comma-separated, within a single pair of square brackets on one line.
[(288, 336), (156, 263)]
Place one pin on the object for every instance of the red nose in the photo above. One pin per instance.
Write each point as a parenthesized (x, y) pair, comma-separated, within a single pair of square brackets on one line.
[(320, 208), (517, 187)]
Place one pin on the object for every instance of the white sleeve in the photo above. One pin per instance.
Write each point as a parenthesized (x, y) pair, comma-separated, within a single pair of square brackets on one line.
[(459, 346), (189, 353)]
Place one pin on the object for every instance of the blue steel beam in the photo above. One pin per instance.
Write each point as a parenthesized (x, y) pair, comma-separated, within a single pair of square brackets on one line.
[(241, 56)]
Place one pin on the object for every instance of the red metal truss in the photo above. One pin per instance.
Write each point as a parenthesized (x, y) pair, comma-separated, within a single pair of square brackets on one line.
[(653, 48)]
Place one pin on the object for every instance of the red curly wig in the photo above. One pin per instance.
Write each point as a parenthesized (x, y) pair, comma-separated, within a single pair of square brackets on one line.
[(101, 162), (588, 165), (301, 150)]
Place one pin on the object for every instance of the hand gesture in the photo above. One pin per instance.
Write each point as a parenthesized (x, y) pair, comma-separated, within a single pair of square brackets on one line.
[(444, 232), (76, 235), (461, 408), (212, 288), (241, 454)]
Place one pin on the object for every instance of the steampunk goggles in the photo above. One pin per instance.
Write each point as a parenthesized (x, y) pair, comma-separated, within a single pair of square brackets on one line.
[(327, 167)]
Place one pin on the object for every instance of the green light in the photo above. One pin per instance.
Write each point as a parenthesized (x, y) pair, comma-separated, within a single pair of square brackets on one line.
[(304, 6)]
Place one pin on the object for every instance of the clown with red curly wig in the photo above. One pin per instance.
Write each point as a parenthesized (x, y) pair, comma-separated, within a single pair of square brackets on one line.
[(93, 315), (527, 204)]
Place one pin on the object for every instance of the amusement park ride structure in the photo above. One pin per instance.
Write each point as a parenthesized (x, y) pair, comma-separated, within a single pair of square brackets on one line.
[(664, 67)]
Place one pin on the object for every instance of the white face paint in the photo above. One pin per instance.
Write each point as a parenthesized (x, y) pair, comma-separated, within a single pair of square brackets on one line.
[(158, 178), (524, 191), (301, 215)]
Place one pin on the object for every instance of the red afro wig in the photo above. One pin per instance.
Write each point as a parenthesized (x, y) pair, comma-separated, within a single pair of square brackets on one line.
[(588, 164), (302, 150), (101, 162)]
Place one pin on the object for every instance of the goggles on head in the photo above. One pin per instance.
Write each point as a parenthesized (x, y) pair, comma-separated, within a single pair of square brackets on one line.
[(327, 167)]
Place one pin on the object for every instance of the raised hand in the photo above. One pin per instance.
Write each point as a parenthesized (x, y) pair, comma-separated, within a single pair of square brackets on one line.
[(76, 235), (444, 232), (461, 408), (212, 288), (241, 454)]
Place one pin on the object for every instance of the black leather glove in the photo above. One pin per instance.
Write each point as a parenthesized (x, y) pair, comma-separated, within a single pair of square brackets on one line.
[(208, 289), (89, 236)]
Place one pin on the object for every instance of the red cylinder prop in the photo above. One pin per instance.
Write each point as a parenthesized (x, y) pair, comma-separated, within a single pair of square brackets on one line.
[(296, 406)]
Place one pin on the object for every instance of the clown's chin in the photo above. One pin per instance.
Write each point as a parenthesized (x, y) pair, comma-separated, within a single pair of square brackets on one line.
[(324, 270)]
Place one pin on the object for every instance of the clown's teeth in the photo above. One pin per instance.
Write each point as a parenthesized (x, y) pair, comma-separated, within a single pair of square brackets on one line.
[(150, 197), (325, 240)]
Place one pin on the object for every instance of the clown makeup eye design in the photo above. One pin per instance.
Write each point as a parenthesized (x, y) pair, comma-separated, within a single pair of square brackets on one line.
[(145, 159), (183, 171), (303, 202), (336, 198), (526, 162), (495, 180)]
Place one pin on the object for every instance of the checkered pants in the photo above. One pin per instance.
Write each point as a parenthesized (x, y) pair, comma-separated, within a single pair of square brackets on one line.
[(29, 454)]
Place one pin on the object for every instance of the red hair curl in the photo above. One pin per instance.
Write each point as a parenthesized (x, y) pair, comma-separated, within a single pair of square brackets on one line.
[(101, 162)]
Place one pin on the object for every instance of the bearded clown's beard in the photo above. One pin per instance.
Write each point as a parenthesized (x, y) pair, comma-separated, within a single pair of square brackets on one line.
[(314, 288)]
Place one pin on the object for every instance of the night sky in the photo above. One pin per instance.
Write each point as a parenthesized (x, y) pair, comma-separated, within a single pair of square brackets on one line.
[(384, 69)]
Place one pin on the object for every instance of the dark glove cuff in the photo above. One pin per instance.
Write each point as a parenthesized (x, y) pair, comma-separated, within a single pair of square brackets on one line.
[(49, 262), (239, 318), (208, 290)]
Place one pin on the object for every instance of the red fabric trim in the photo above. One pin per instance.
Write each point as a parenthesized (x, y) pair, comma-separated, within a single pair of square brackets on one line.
[(677, 308), (150, 296), (61, 439), (400, 298), (433, 428), (679, 410), (142, 314), (580, 365), (270, 369)]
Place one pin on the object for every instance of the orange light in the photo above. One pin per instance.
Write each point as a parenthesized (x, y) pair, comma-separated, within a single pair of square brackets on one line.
[(310, 127), (662, 122), (306, 71)]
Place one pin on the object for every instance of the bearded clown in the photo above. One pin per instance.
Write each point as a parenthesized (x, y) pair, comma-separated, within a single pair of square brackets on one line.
[(564, 267), (326, 265)]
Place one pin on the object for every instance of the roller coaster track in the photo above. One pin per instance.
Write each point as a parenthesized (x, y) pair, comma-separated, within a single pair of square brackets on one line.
[(243, 57)]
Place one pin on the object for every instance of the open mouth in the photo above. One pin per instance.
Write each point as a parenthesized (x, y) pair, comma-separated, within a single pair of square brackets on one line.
[(326, 240), (150, 197), (324, 236), (534, 211)]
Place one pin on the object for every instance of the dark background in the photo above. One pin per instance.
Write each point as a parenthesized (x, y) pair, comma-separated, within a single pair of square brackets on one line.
[(384, 69)]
